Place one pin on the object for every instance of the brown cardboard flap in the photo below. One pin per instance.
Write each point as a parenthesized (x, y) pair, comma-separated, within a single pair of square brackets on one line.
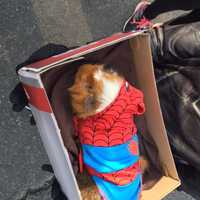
[(163, 187), (145, 74)]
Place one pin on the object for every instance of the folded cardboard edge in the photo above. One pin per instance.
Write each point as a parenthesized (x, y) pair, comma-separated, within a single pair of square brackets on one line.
[(153, 114), (142, 60), (80, 51), (51, 141), (25, 70), (163, 187)]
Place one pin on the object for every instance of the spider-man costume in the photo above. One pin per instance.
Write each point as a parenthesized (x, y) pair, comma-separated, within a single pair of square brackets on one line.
[(110, 145)]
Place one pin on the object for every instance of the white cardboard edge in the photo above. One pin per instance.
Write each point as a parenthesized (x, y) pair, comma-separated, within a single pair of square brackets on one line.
[(37, 77)]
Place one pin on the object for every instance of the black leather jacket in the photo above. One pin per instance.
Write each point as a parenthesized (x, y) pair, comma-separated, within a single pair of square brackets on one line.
[(176, 54)]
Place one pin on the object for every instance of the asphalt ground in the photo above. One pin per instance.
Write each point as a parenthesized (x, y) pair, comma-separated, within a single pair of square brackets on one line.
[(25, 26)]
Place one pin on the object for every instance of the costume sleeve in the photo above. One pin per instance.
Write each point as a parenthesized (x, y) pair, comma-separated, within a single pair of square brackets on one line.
[(136, 100)]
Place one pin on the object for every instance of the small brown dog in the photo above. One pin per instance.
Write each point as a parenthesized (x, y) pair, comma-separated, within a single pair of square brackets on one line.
[(93, 90)]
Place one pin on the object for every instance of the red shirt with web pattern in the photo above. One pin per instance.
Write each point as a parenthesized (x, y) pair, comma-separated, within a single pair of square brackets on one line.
[(114, 125)]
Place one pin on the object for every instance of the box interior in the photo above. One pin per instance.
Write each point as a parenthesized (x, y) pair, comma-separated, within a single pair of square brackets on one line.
[(132, 59)]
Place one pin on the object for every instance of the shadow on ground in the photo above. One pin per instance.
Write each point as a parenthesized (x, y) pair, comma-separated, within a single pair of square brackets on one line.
[(56, 192)]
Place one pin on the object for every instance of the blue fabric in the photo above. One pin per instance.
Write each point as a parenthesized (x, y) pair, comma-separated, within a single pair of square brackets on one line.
[(109, 159), (110, 191)]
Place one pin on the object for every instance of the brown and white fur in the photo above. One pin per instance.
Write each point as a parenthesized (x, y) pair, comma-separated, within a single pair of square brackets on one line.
[(93, 90)]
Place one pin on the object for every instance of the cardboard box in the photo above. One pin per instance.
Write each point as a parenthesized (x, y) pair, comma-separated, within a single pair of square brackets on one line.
[(136, 48)]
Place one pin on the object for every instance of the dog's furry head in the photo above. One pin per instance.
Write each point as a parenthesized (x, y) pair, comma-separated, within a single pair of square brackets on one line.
[(88, 87)]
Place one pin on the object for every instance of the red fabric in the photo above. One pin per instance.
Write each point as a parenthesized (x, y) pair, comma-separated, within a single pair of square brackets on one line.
[(38, 98), (80, 161), (133, 147), (121, 177), (114, 125)]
